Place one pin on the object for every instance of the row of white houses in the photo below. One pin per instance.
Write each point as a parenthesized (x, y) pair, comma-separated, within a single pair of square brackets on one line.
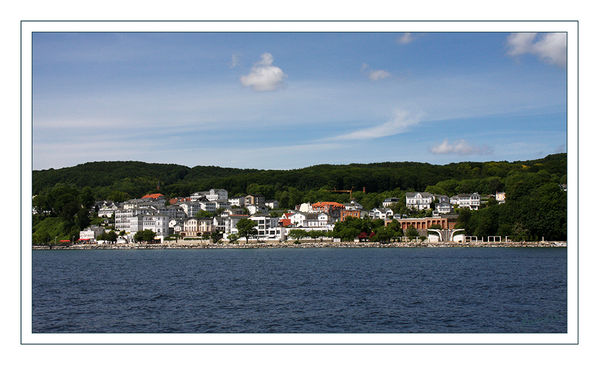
[(152, 212)]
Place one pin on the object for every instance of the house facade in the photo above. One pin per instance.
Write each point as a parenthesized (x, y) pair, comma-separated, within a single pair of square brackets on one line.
[(418, 200), (471, 201)]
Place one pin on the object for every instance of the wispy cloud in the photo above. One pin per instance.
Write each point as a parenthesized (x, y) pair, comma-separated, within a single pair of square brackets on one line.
[(459, 147), (375, 75), (405, 38), (401, 121), (234, 61), (549, 47), (264, 76)]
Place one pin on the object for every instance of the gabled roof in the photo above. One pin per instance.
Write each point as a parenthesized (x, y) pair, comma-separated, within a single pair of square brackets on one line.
[(414, 193)]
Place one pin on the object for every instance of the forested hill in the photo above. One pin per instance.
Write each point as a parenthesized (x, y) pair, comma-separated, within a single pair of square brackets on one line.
[(122, 179), (535, 196)]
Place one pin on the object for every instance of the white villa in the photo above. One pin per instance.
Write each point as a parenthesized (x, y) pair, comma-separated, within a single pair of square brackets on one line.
[(418, 200), (471, 201)]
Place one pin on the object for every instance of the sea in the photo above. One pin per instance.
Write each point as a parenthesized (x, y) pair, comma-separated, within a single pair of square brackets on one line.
[(300, 290)]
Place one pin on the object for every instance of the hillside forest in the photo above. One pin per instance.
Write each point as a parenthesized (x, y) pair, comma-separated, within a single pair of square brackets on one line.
[(535, 204)]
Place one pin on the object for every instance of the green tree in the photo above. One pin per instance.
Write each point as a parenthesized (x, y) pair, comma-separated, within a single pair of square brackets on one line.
[(298, 234), (204, 214), (412, 232), (246, 228), (216, 236), (146, 235)]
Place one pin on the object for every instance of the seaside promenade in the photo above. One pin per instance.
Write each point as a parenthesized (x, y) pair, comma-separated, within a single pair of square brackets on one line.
[(201, 244)]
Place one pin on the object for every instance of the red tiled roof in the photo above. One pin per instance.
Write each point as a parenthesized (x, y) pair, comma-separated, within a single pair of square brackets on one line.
[(324, 204), (285, 222), (152, 196)]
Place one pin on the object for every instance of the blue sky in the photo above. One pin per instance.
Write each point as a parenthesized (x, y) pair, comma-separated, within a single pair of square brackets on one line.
[(290, 100)]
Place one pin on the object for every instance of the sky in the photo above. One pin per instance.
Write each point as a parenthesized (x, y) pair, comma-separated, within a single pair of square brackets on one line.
[(291, 100)]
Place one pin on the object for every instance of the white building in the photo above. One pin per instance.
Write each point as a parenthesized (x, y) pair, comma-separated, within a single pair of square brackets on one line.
[(389, 202), (173, 211), (158, 224), (237, 201), (230, 223), (305, 208), (471, 201), (419, 201), (298, 218), (106, 208), (126, 219), (442, 205), (209, 206), (267, 227), (353, 205), (256, 209), (272, 204), (381, 213), (197, 226), (190, 208), (198, 195), (91, 233), (217, 195), (442, 208)]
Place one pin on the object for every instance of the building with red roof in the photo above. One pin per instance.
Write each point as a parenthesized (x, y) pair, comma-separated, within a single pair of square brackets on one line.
[(152, 196)]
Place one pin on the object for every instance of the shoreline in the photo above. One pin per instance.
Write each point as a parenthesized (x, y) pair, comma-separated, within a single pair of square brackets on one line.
[(291, 244)]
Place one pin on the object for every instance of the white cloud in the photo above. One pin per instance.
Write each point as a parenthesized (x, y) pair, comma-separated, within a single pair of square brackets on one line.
[(401, 121), (460, 147), (405, 38), (374, 75), (264, 76), (378, 75), (549, 47)]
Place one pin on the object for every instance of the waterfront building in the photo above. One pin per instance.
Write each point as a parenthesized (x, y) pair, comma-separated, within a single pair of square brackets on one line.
[(127, 219), (197, 226), (230, 223), (218, 223), (158, 224), (91, 233), (267, 227), (422, 224)]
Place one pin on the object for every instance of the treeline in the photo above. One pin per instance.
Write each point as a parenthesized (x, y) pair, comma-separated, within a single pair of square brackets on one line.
[(535, 207)]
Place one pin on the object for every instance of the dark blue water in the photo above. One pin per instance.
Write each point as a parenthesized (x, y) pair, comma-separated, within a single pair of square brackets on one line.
[(337, 290)]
